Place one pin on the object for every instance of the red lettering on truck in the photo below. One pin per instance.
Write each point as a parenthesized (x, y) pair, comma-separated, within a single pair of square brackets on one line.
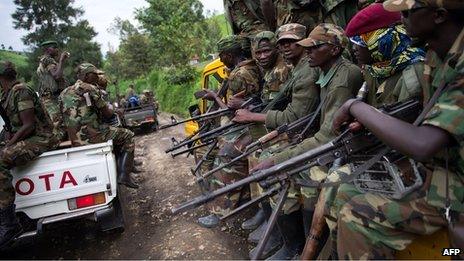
[(67, 178), (23, 181), (46, 179)]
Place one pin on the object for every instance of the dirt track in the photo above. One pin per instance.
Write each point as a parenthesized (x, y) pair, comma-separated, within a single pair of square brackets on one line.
[(151, 231)]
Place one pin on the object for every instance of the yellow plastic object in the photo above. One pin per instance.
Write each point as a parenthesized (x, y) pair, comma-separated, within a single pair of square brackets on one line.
[(190, 128), (212, 76), (427, 247)]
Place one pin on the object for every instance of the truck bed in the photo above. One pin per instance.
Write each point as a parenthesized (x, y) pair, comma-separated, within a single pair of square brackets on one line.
[(45, 186)]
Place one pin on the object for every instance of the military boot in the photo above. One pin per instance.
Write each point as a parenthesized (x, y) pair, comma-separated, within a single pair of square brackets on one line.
[(209, 221), (9, 225), (292, 231), (255, 221), (274, 241), (125, 166)]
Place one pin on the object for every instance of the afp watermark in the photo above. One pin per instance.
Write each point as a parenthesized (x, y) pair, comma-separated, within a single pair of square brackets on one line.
[(451, 252)]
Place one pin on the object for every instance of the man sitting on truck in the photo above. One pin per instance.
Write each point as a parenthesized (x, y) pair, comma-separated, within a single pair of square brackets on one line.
[(84, 112), (27, 135)]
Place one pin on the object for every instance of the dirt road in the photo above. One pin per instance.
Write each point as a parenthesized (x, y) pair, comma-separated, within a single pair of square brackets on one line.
[(151, 231)]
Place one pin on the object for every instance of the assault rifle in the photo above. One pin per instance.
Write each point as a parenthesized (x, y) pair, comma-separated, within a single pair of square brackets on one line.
[(252, 147), (343, 146), (213, 134)]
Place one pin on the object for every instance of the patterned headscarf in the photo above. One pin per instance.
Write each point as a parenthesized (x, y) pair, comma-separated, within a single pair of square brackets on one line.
[(391, 50)]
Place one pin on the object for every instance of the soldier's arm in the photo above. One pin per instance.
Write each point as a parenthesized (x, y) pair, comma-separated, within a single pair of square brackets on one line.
[(100, 103), (57, 70), (305, 97), (24, 103), (334, 100), (418, 142), (268, 8)]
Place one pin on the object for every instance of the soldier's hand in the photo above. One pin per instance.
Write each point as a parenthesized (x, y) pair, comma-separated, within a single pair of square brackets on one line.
[(265, 164), (235, 102), (343, 115), (210, 95), (64, 56), (242, 116)]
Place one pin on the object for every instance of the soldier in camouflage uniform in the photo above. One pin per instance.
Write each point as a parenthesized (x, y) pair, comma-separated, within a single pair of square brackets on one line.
[(244, 81), (28, 137), (300, 97), (338, 82), (392, 72), (52, 82), (275, 72), (245, 17), (373, 226), (84, 111)]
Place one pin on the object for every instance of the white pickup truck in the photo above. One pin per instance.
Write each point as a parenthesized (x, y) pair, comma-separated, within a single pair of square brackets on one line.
[(70, 183)]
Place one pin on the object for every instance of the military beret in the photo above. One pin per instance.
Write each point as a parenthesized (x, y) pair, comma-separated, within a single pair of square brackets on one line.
[(263, 36), (232, 42), (325, 33), (5, 66), (49, 43), (371, 18), (292, 31), (402, 5)]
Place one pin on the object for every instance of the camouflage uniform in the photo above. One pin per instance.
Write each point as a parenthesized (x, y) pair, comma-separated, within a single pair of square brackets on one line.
[(20, 98), (246, 76), (82, 115), (49, 89), (289, 11), (244, 16), (378, 224), (338, 12)]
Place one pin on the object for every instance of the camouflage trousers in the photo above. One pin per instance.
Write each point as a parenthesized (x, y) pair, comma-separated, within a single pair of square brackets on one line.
[(19, 154), (230, 146), (51, 107), (373, 226)]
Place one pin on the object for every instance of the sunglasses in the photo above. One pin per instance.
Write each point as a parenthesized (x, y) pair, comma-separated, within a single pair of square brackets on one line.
[(407, 13)]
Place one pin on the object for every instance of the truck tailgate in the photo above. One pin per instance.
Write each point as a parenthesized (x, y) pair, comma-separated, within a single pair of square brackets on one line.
[(44, 186)]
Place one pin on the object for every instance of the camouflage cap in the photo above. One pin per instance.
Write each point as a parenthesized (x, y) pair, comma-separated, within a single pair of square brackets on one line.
[(402, 5), (86, 68), (325, 34), (291, 31), (232, 42), (49, 43), (5, 65), (263, 36)]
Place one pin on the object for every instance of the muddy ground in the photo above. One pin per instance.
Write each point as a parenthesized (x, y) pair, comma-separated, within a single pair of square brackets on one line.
[(151, 231)]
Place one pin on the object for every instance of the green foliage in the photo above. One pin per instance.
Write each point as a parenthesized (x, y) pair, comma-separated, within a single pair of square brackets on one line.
[(181, 75), (20, 61), (56, 20), (178, 30), (134, 58)]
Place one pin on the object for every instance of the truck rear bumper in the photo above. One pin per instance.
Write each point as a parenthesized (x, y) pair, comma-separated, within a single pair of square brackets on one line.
[(94, 214)]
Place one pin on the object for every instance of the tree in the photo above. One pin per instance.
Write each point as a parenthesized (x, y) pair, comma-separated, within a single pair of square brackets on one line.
[(135, 56), (56, 20), (177, 30), (2, 46)]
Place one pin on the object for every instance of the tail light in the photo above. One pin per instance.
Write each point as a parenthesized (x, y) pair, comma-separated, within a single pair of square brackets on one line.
[(86, 201), (149, 118)]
